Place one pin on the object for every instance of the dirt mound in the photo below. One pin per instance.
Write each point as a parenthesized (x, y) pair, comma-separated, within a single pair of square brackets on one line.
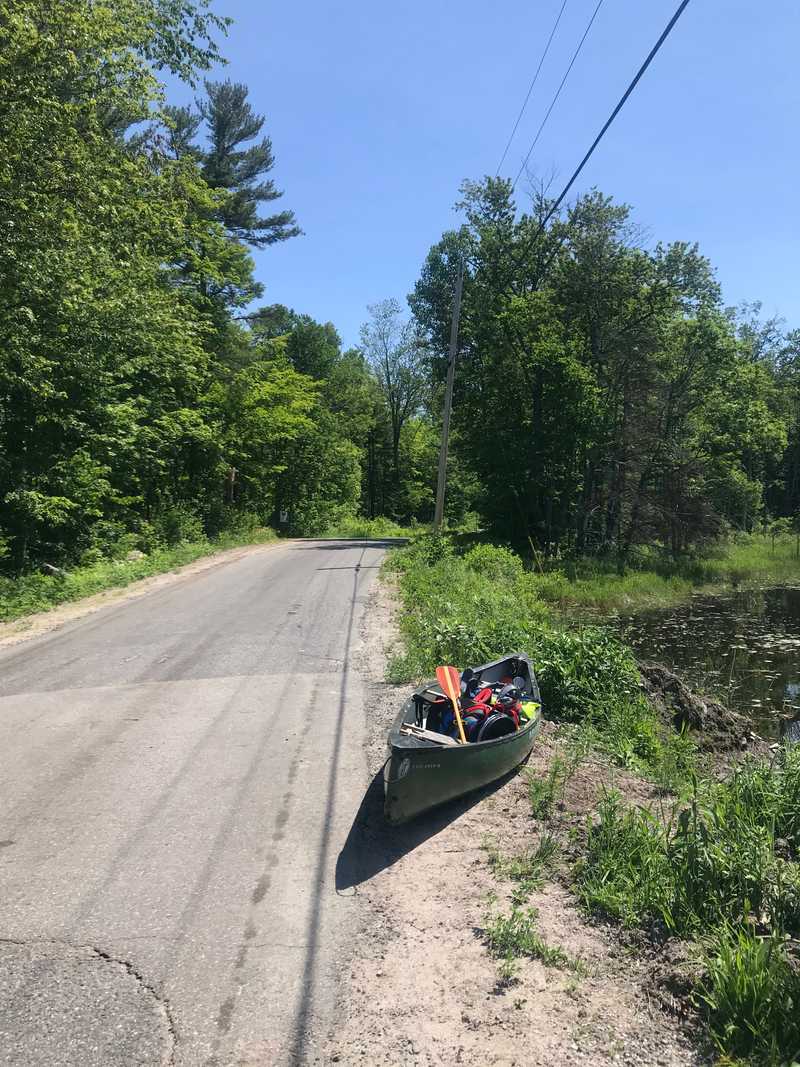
[(714, 727)]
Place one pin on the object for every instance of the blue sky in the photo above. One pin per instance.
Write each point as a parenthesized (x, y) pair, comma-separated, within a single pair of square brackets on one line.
[(378, 111)]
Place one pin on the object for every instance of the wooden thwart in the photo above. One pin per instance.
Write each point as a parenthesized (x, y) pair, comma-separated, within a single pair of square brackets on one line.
[(427, 735)]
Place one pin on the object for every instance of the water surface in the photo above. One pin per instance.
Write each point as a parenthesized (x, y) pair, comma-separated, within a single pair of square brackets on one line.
[(742, 648)]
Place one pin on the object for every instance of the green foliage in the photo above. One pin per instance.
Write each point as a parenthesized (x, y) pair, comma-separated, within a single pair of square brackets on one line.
[(716, 860), (722, 868), (369, 529), (626, 407), (596, 588), (456, 614), (526, 870), (750, 994), (514, 935), (585, 673), (654, 580), (548, 792), (41, 592), (494, 563), (625, 872), (240, 171), (132, 401), (471, 609), (176, 524)]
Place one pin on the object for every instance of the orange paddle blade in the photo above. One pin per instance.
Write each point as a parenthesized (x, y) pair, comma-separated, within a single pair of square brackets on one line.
[(450, 681)]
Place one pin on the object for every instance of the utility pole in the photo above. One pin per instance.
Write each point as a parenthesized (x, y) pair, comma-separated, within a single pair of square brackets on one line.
[(448, 400)]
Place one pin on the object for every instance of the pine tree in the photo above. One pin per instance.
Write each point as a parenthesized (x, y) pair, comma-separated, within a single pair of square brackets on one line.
[(226, 164)]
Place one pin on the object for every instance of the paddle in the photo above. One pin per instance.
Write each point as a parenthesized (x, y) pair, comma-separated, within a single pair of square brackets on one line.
[(450, 681)]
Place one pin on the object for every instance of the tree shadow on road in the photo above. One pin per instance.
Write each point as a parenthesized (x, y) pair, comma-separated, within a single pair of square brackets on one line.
[(343, 544)]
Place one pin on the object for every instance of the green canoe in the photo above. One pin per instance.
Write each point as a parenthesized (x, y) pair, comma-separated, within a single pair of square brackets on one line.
[(421, 774)]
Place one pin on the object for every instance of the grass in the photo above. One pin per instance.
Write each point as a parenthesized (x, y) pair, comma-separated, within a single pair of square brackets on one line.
[(509, 937), (655, 581), (545, 794), (723, 870), (42, 592), (750, 995), (721, 858), (527, 869)]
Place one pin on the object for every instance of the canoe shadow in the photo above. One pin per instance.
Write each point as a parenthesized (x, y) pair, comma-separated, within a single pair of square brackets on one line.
[(373, 845)]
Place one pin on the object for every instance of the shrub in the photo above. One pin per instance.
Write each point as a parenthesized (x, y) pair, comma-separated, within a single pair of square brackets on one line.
[(495, 563), (177, 524), (584, 673)]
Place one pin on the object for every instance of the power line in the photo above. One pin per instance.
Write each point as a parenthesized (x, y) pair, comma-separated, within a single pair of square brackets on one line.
[(531, 87), (518, 259), (575, 55), (653, 51), (667, 30)]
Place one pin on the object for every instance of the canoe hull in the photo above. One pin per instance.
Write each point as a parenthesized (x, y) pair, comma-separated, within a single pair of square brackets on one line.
[(420, 775)]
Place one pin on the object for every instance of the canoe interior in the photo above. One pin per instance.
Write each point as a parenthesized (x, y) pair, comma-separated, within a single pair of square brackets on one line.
[(420, 774)]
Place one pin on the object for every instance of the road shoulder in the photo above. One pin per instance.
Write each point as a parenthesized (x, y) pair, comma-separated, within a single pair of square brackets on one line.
[(43, 622), (421, 987)]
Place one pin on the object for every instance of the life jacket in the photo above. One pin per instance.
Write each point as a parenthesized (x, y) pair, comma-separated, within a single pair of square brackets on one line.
[(487, 703)]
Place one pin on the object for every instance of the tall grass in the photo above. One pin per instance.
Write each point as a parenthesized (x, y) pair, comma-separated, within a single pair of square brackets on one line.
[(657, 581), (750, 995), (721, 869), (720, 858), (41, 592)]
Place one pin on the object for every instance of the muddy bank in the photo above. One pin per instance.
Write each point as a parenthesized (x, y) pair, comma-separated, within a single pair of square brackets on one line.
[(714, 728)]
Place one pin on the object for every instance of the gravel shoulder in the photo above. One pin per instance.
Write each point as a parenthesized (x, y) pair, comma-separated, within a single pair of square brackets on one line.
[(421, 987)]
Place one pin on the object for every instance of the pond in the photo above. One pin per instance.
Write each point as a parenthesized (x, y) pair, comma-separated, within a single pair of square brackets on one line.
[(743, 649)]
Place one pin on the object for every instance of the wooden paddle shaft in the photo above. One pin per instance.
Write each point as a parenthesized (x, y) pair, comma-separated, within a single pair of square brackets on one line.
[(450, 681)]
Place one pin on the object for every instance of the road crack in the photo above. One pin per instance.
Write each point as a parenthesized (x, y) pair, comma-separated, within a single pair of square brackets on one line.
[(157, 996)]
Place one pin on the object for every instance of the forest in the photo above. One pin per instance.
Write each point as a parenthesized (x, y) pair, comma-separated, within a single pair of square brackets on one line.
[(607, 402)]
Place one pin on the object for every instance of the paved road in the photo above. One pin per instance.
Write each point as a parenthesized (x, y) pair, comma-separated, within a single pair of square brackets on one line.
[(178, 774)]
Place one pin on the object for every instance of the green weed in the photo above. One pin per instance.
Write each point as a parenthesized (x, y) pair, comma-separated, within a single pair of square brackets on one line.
[(711, 861), (750, 996), (720, 868), (527, 869), (514, 935)]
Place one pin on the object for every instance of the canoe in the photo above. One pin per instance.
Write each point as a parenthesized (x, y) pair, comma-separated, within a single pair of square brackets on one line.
[(420, 773)]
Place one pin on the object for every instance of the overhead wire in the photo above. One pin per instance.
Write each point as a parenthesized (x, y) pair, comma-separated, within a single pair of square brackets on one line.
[(531, 87), (518, 259), (653, 51), (553, 102)]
